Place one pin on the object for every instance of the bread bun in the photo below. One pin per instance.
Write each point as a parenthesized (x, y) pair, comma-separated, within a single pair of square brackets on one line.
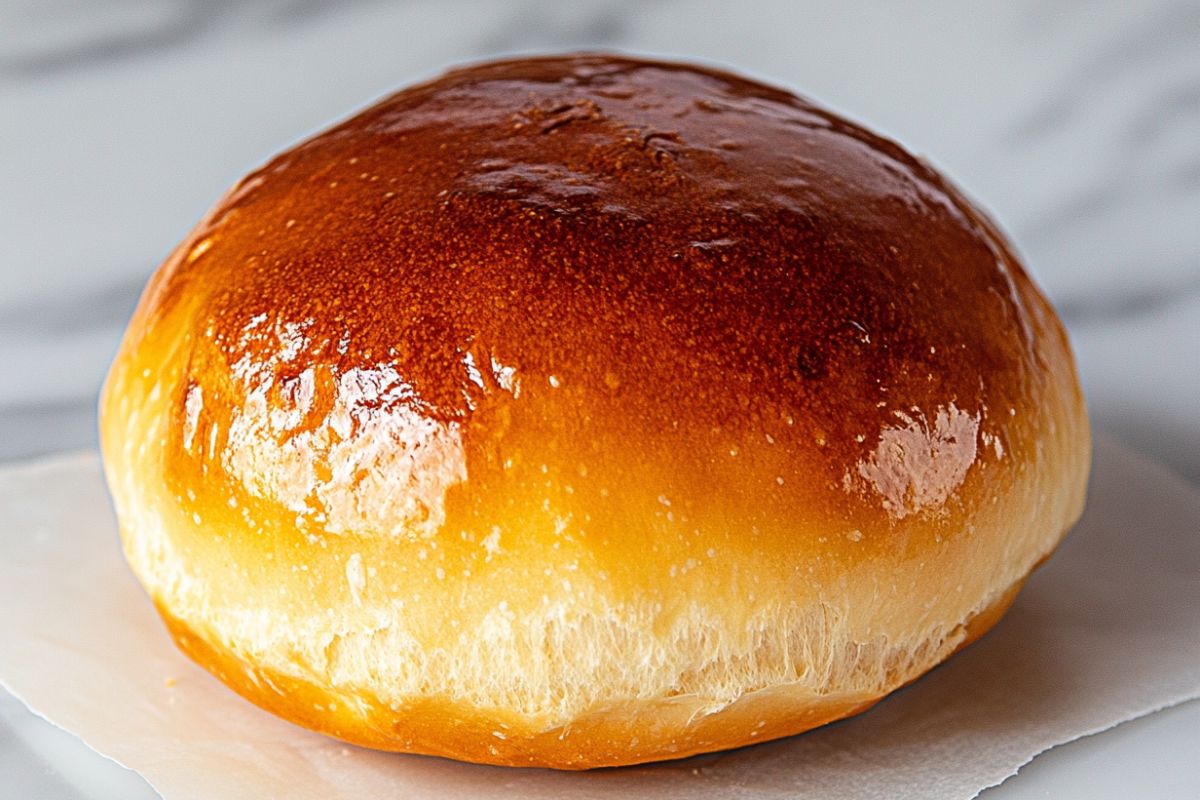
[(588, 411)]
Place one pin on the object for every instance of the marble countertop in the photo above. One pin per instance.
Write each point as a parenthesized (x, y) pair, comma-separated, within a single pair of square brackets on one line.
[(1077, 125)]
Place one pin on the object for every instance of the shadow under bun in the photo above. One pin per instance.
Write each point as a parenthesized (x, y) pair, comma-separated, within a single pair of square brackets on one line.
[(587, 411)]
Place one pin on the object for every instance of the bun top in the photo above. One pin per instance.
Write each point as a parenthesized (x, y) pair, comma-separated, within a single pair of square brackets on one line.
[(592, 394), (582, 293)]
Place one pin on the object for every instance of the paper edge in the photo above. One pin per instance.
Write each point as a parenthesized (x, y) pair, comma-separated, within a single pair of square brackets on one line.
[(31, 466), (1016, 770), (1085, 735), (78, 737), (1101, 440)]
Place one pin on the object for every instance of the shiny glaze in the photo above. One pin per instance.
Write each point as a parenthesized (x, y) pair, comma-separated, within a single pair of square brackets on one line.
[(585, 411), (562, 296)]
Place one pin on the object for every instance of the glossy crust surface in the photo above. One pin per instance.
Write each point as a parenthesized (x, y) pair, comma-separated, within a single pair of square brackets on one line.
[(586, 411)]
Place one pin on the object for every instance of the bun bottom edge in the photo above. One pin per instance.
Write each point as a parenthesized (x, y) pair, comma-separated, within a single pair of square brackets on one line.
[(635, 732)]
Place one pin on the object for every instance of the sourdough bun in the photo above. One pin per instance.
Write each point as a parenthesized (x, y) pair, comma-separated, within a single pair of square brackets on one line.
[(588, 411)]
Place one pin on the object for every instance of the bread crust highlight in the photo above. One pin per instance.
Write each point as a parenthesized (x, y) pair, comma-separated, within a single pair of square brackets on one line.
[(585, 411)]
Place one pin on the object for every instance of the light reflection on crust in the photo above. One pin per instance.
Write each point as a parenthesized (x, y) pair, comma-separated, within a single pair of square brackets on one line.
[(917, 465), (353, 450)]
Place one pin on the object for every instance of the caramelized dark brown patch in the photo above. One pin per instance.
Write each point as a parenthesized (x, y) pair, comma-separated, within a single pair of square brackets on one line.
[(650, 252)]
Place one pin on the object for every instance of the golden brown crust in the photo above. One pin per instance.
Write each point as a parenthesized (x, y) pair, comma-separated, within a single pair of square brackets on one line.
[(441, 726), (590, 344)]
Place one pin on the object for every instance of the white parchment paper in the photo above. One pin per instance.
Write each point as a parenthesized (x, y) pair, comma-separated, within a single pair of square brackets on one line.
[(1107, 631)]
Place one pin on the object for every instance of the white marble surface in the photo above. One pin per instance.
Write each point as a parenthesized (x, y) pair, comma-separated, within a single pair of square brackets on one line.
[(1077, 124)]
